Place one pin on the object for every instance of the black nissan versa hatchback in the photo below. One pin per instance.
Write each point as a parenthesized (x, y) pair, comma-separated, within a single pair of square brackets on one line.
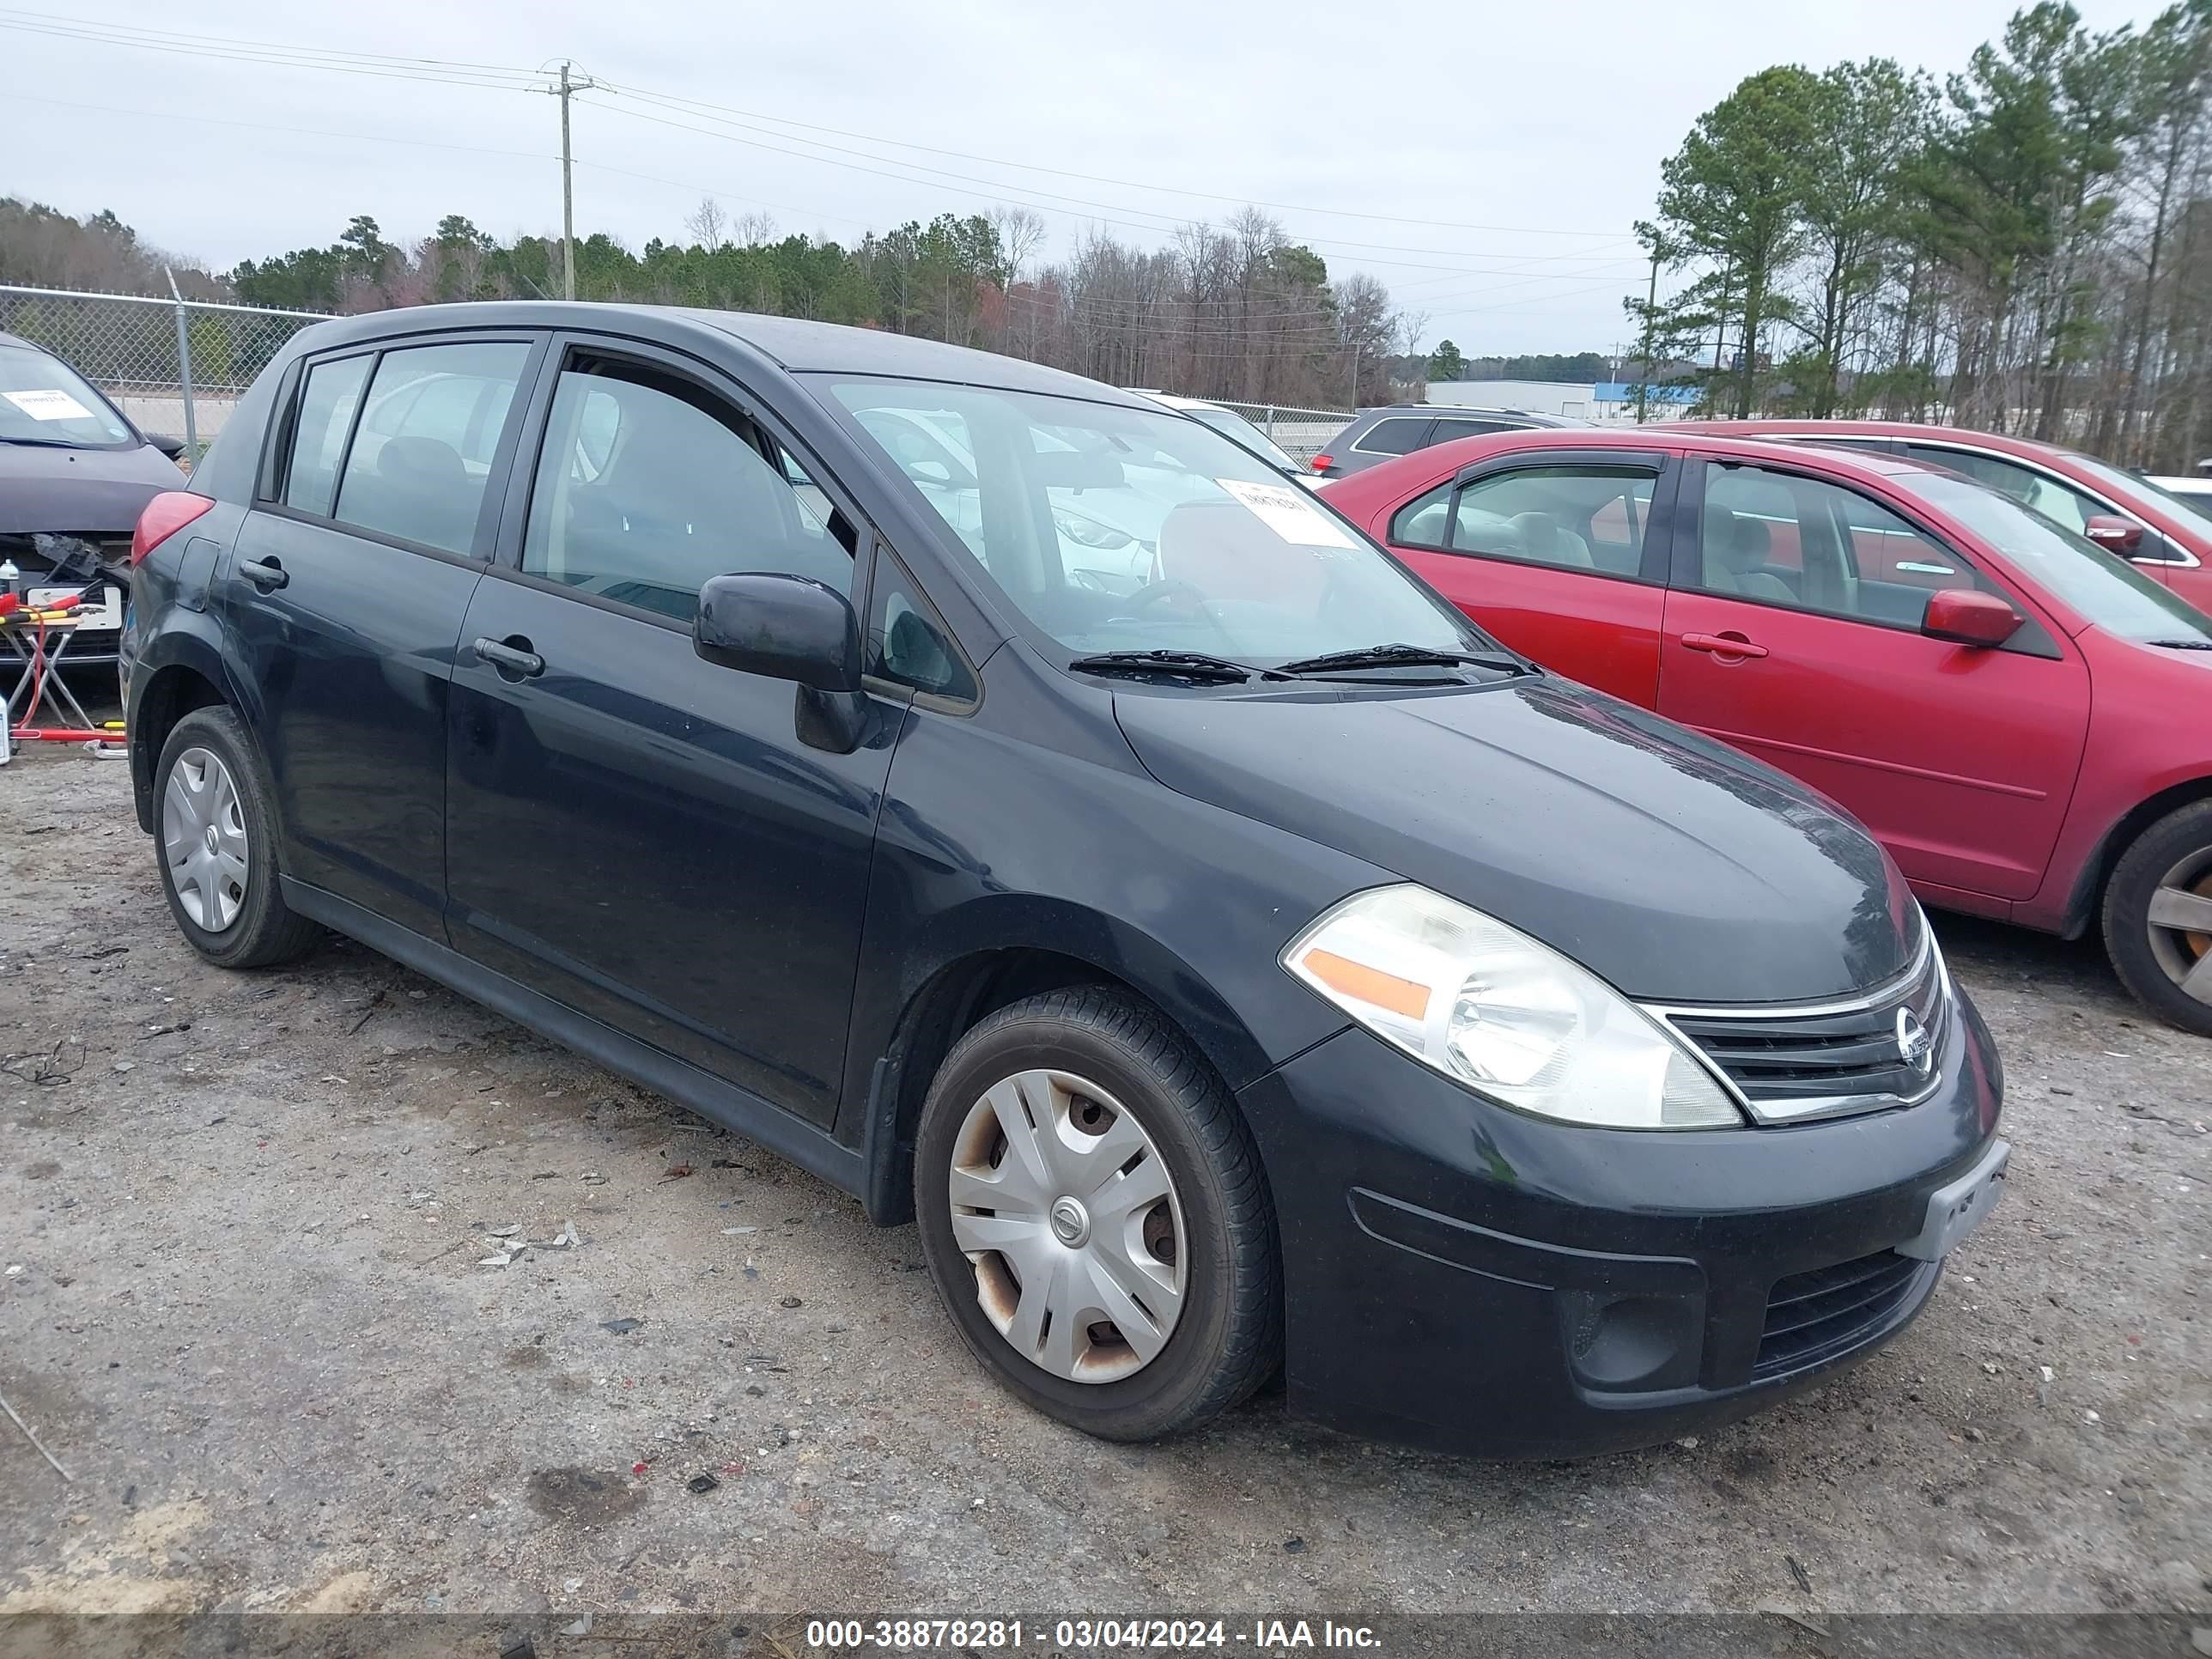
[(1022, 807)]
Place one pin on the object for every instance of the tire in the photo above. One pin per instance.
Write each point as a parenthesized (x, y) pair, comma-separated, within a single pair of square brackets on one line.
[(1196, 1269), (223, 803), (2151, 898)]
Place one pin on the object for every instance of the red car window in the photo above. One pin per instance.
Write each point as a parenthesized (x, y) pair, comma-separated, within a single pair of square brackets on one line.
[(1781, 538)]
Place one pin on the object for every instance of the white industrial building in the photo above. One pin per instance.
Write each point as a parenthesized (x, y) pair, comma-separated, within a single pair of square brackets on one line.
[(1606, 403)]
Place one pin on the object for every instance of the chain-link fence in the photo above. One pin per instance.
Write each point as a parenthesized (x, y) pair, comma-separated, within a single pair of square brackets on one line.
[(1305, 433), (175, 366)]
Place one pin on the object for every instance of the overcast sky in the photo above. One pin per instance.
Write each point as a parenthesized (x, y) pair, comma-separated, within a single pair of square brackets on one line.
[(1487, 159)]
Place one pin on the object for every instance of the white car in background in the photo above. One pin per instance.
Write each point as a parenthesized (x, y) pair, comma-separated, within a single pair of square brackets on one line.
[(1234, 428), (2193, 493)]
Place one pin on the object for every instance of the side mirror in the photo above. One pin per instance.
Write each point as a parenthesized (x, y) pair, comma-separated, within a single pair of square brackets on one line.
[(787, 627), (1965, 615), (173, 447), (2114, 534)]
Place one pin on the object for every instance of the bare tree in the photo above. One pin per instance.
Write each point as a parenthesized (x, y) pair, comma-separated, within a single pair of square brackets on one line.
[(709, 224)]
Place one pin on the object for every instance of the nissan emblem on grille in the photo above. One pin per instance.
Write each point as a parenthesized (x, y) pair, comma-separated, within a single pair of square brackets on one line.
[(1914, 1046)]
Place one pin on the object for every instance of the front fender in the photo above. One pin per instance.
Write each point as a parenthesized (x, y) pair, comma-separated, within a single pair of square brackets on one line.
[(991, 843)]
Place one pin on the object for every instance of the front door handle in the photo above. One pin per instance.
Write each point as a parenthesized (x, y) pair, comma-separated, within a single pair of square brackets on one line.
[(512, 658), (266, 575), (1724, 645)]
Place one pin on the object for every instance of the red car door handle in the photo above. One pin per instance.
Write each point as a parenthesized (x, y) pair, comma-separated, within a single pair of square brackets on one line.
[(1724, 645)]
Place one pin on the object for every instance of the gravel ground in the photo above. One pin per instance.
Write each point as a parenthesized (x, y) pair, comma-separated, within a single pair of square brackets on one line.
[(245, 1220)]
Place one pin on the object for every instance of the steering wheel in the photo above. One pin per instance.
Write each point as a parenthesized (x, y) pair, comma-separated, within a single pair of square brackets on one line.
[(1158, 593)]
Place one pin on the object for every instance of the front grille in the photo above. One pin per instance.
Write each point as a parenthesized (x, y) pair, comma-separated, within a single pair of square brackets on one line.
[(1791, 1062), (1817, 1316)]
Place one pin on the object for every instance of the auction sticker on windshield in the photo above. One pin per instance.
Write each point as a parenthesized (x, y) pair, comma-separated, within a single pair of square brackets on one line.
[(48, 405), (1284, 509)]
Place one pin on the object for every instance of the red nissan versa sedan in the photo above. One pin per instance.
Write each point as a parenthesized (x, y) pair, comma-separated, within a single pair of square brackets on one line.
[(2119, 512), (2024, 721)]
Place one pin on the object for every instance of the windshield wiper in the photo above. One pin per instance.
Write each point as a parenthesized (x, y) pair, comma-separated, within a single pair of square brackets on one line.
[(1405, 656), (2182, 645), (1181, 665), (41, 443)]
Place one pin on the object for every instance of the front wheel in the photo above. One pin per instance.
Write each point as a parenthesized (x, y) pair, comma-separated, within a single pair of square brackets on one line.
[(2158, 917), (1094, 1216)]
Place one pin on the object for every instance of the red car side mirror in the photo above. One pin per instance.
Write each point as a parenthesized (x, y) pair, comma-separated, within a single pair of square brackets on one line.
[(1965, 615), (2114, 534)]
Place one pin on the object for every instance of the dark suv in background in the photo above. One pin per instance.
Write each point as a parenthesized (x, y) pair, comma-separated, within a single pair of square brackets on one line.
[(1374, 435)]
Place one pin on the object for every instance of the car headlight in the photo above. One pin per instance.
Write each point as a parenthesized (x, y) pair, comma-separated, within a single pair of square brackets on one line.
[(1089, 532), (1510, 1017)]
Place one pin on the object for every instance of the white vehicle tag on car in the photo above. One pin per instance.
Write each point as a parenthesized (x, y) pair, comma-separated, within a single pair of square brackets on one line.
[(1284, 509), (48, 405)]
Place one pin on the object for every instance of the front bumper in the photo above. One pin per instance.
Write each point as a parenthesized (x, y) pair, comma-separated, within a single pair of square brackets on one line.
[(1468, 1279)]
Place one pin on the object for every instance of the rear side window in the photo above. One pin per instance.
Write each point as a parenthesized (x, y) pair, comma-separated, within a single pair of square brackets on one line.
[(1578, 517), (421, 456), (1447, 431), (1398, 434), (648, 485), (326, 407)]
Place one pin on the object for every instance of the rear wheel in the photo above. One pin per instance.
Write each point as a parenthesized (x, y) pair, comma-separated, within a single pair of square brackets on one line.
[(2158, 917), (216, 841), (1093, 1214)]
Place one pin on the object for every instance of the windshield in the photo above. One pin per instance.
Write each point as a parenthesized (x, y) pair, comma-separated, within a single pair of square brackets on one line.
[(43, 400), (2131, 491), (2197, 502), (1238, 430), (1113, 529), (2110, 592)]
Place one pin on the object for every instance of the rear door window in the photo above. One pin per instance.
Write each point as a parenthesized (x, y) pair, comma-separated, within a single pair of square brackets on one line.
[(1578, 517), (318, 436), (422, 460)]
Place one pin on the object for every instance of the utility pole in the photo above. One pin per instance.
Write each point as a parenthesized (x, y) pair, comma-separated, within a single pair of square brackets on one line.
[(568, 86), (1355, 377), (1650, 315)]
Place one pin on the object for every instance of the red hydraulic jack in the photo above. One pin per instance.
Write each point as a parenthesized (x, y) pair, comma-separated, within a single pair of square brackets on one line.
[(101, 738)]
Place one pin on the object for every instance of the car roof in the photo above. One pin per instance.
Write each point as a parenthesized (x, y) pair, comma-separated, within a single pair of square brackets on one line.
[(790, 343), (1398, 471), (1922, 431)]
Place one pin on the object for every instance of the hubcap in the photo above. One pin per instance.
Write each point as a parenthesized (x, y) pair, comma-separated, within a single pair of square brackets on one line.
[(1067, 1211), (204, 840), (2180, 924)]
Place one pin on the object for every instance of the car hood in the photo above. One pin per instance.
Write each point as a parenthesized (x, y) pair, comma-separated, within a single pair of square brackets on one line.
[(1674, 867), (96, 492)]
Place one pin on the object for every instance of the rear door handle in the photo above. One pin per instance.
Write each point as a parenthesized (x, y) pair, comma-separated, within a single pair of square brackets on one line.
[(513, 660), (1724, 645), (266, 575)]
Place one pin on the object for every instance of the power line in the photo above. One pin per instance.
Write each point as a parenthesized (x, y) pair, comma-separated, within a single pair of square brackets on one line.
[(173, 40), (1096, 178), (514, 78), (992, 192), (665, 101)]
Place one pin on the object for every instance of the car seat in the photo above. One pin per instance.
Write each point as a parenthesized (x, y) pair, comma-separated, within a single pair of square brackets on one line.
[(1735, 558)]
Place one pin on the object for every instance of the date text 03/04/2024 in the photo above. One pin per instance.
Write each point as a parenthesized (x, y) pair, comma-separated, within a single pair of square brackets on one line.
[(1084, 1635)]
